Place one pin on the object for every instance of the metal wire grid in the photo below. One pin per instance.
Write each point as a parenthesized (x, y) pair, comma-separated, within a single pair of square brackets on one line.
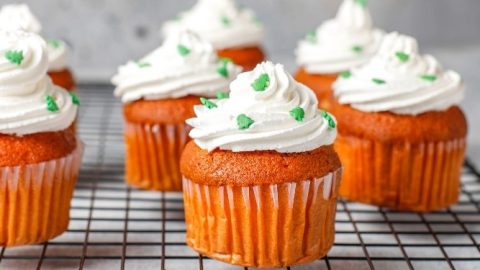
[(117, 227)]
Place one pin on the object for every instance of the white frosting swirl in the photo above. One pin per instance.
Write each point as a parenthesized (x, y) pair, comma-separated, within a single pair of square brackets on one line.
[(406, 82), (344, 42), (57, 55), (166, 73), (274, 128), (24, 88), (20, 17), (221, 23)]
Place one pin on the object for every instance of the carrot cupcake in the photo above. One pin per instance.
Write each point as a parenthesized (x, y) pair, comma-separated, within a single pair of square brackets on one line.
[(19, 16), (39, 153), (261, 176), (401, 132), (234, 32), (347, 41), (159, 92)]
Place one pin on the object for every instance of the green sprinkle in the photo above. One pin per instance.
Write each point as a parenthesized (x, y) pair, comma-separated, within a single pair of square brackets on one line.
[(51, 104), (75, 99), (362, 3), (403, 57), (346, 74), (311, 37), (430, 78), (261, 83), (331, 123), (357, 48), (54, 43), (329, 118), (378, 81), (143, 64), (208, 103), (244, 122), (225, 21), (222, 95), (223, 71), (182, 50), (298, 113), (15, 57), (257, 21), (223, 67)]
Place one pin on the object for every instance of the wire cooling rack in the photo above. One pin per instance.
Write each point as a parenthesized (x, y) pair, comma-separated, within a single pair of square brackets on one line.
[(116, 227)]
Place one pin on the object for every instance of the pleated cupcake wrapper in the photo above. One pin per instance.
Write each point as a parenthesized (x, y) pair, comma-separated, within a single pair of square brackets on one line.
[(35, 199), (263, 225), (402, 176), (153, 155)]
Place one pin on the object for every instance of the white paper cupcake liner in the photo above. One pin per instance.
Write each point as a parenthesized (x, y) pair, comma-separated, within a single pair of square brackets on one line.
[(35, 199), (262, 225), (153, 155), (402, 176)]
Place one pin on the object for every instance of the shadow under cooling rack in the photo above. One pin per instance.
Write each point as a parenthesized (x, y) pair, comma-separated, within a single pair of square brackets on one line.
[(116, 227)]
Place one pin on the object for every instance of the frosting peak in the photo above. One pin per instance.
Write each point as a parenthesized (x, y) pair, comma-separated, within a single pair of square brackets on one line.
[(29, 102), (220, 22), (400, 80), (346, 41), (267, 110), (20, 17), (183, 65)]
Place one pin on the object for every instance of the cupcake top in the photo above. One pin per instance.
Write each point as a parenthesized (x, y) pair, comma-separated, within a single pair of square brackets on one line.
[(19, 16), (266, 110), (400, 80), (29, 102), (221, 23), (344, 42), (184, 65)]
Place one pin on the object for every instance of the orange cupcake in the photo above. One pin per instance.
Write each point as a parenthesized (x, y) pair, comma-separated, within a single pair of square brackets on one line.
[(234, 32), (19, 16), (159, 92), (401, 133), (336, 46), (261, 176), (39, 153)]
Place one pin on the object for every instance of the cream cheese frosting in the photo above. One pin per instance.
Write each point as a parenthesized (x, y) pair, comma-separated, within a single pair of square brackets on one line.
[(267, 110), (29, 102), (19, 16), (184, 65), (344, 42), (57, 55), (400, 80), (220, 22)]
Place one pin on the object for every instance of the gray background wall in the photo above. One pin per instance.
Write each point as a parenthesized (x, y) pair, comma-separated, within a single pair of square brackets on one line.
[(106, 33)]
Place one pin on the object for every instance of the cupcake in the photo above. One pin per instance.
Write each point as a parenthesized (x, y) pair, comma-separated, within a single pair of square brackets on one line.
[(158, 93), (19, 16), (349, 40), (261, 175), (39, 153), (401, 132), (234, 32)]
